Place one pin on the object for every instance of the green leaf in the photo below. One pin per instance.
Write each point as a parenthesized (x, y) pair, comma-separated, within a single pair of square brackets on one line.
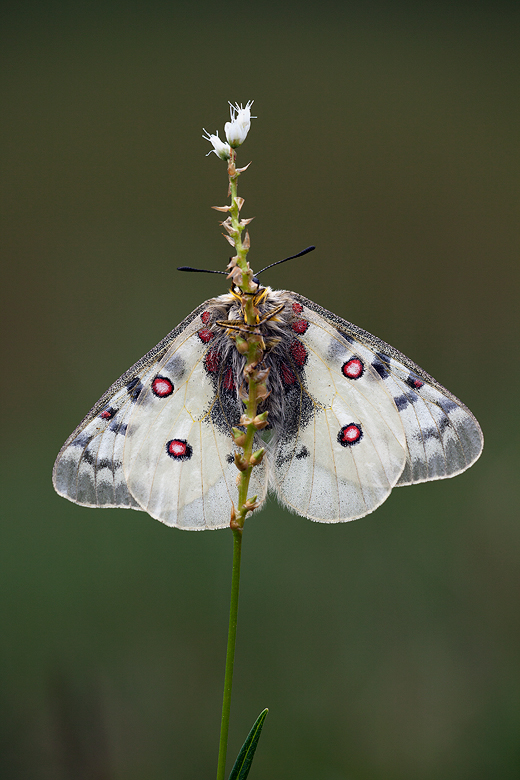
[(244, 760)]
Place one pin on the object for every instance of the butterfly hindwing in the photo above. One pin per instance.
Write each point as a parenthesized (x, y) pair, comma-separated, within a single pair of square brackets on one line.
[(178, 459)]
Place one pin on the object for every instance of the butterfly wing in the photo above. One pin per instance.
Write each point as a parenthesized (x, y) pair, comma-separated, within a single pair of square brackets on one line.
[(368, 419), (339, 453), (159, 439)]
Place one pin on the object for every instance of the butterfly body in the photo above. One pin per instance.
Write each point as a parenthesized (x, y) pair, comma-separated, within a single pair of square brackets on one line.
[(349, 416)]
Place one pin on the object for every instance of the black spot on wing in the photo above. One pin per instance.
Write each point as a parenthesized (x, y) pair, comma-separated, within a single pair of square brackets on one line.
[(116, 427), (443, 424), (345, 336), (175, 367), (414, 382), (303, 453), (447, 405), (83, 440), (89, 457), (434, 432), (105, 463), (402, 401), (381, 364), (134, 387)]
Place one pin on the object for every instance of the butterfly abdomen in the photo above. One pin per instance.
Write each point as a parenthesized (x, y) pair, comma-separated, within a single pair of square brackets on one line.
[(287, 404)]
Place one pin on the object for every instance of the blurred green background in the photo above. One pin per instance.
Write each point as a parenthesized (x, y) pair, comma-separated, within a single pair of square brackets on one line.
[(387, 135)]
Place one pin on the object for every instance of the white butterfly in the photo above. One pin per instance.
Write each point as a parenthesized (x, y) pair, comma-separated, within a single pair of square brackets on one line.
[(350, 418)]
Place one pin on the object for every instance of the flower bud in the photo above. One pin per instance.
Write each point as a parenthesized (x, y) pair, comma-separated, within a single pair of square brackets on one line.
[(257, 457), (261, 421), (239, 437), (240, 462)]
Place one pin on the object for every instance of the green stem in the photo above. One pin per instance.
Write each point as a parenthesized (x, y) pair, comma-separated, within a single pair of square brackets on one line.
[(230, 654)]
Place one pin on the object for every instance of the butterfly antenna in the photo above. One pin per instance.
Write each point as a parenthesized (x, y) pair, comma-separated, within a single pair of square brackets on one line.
[(303, 252), (199, 270)]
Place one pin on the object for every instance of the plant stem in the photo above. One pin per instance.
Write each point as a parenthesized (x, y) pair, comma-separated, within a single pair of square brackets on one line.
[(253, 347), (230, 654)]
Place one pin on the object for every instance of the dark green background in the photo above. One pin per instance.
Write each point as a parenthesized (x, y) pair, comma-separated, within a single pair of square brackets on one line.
[(387, 135)]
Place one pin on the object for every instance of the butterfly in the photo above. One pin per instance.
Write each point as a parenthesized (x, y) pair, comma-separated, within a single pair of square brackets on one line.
[(349, 416)]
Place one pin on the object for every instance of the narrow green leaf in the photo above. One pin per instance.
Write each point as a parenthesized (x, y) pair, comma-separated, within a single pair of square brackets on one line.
[(244, 760)]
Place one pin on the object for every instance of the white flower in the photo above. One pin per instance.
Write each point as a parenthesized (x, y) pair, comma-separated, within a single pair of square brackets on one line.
[(237, 130), (220, 148)]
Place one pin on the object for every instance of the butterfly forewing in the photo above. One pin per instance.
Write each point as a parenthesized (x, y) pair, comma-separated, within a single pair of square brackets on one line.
[(159, 439), (442, 436)]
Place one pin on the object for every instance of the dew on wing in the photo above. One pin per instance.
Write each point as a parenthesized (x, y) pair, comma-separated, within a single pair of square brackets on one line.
[(179, 449), (350, 434), (162, 387), (353, 368), (205, 335)]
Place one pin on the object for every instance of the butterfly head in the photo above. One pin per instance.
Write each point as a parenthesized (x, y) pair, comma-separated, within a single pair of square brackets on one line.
[(256, 291)]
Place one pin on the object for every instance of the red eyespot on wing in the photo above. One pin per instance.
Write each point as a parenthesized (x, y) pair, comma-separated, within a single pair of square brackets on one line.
[(298, 352), (414, 383), (162, 387), (297, 308), (107, 414), (300, 326), (350, 434), (205, 317), (353, 368), (212, 361), (228, 383), (205, 335), (288, 377), (179, 449)]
